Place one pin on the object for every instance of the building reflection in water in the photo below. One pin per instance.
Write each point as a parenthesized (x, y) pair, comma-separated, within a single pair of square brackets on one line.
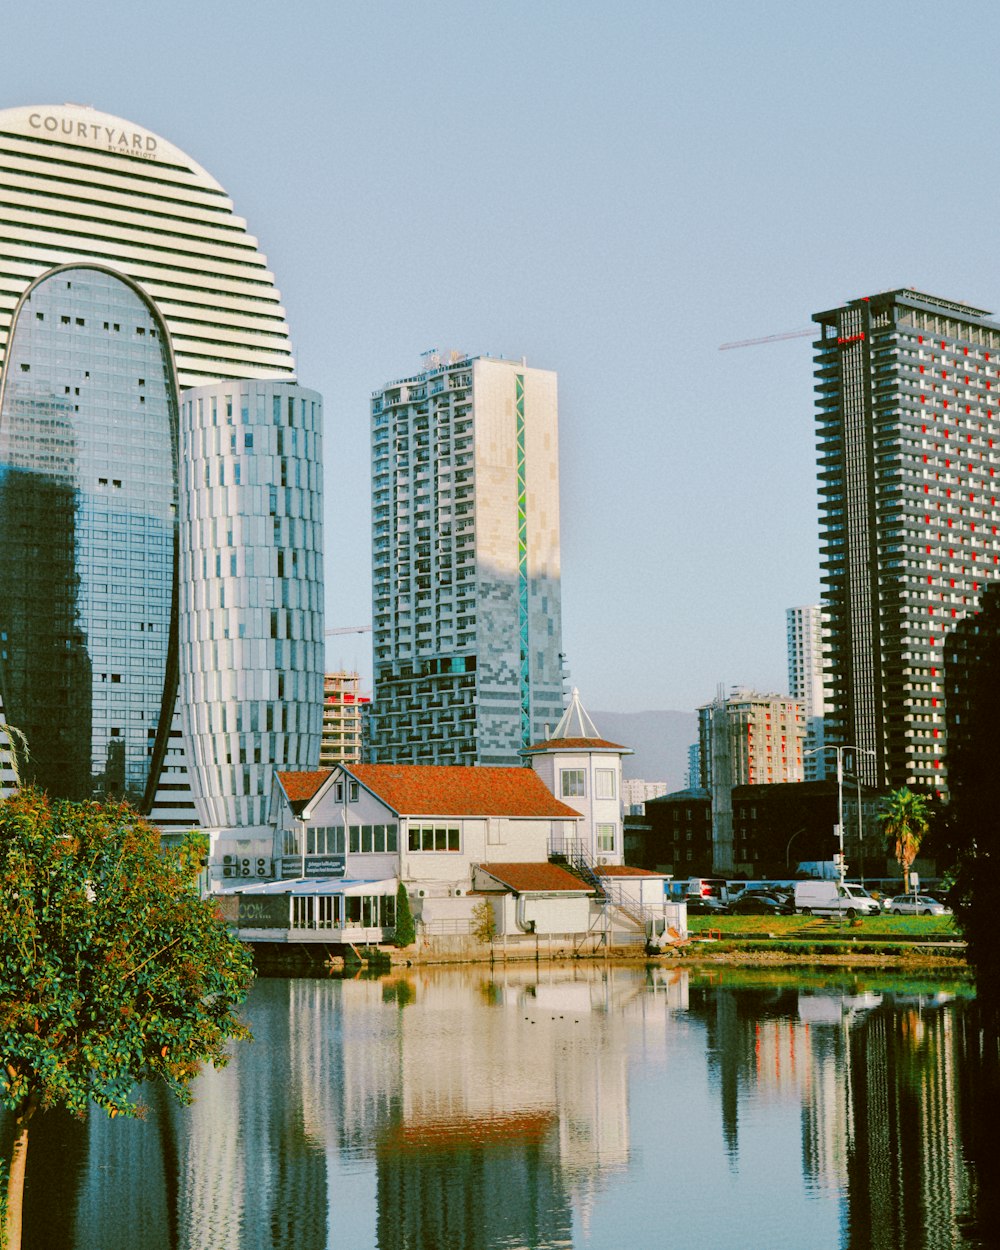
[(459, 1109)]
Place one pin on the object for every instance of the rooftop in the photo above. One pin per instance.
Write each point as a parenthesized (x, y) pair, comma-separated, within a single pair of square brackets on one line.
[(575, 731), (543, 878)]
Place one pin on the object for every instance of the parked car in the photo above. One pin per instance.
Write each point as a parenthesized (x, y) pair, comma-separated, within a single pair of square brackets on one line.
[(752, 904), (915, 905), (705, 905)]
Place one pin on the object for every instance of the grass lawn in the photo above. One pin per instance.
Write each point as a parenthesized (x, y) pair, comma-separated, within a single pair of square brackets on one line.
[(932, 928)]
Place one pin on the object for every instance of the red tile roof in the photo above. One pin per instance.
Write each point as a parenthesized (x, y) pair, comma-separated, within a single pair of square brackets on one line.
[(532, 878), (495, 1130), (301, 786), (461, 790), (576, 744), (623, 870)]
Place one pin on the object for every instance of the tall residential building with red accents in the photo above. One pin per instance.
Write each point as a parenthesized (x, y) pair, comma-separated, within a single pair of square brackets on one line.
[(908, 441)]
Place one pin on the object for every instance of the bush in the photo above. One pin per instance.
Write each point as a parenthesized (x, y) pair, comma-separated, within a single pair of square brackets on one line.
[(406, 932), (484, 924)]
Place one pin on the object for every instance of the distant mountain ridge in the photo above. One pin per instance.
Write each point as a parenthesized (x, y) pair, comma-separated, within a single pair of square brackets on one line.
[(660, 741)]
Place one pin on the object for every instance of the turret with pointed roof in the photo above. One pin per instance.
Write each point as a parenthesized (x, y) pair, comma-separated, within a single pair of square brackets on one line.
[(584, 770), (576, 729)]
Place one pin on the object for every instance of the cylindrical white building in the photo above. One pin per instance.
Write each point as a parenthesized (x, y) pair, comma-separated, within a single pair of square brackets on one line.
[(251, 591)]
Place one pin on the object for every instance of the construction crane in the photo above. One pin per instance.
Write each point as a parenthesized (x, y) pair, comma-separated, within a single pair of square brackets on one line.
[(770, 338), (349, 629)]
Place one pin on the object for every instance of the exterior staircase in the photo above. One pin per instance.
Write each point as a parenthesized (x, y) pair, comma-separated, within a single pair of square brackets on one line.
[(572, 854)]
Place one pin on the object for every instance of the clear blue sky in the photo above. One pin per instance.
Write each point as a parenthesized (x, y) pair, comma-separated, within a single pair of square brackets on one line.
[(611, 191)]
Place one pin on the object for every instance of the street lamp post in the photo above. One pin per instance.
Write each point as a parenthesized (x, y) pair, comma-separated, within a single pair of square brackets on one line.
[(788, 848), (840, 795)]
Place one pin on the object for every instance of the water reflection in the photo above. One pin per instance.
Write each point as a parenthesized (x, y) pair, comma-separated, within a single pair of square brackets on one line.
[(550, 1108)]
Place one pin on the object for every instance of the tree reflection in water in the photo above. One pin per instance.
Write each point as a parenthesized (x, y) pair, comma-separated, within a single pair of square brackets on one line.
[(553, 1108)]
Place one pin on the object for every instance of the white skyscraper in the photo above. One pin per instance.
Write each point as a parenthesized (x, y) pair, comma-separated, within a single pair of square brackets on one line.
[(160, 491), (465, 551), (807, 652)]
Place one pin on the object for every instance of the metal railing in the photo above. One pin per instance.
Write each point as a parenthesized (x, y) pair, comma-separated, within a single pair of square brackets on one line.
[(577, 856)]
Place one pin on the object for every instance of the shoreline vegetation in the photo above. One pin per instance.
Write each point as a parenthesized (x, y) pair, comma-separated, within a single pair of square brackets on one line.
[(928, 942)]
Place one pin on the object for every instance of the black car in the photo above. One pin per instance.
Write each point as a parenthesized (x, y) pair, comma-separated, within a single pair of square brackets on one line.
[(705, 906), (750, 904)]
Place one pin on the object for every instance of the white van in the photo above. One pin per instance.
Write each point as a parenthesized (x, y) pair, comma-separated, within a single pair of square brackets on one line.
[(830, 898)]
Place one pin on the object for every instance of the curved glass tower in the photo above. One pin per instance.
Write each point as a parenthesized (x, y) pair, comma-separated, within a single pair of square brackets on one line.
[(160, 529), (88, 512)]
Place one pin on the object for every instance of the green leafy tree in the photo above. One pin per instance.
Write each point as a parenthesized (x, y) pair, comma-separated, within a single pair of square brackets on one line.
[(406, 932), (112, 970), (193, 852), (905, 818)]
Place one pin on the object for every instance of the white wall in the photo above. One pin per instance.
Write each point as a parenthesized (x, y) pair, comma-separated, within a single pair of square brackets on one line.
[(551, 914), (550, 767)]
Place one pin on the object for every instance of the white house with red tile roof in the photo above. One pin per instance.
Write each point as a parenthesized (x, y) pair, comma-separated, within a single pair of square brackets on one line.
[(424, 825), (345, 837), (584, 770)]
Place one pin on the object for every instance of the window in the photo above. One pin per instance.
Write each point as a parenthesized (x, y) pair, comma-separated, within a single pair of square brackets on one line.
[(325, 840), (354, 792), (573, 783), (606, 837), (373, 839), (604, 783), (433, 838)]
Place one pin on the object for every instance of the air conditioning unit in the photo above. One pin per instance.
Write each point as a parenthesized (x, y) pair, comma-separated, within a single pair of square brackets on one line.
[(230, 859), (229, 870), (457, 893), (263, 867), (602, 861)]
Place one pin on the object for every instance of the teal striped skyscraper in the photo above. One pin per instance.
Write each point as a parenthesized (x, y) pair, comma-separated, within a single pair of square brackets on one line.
[(467, 623)]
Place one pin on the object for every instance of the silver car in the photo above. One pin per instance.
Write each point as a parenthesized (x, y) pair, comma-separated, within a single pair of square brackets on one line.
[(915, 905)]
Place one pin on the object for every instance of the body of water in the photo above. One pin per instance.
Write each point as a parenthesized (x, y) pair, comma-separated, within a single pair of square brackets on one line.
[(529, 1108)]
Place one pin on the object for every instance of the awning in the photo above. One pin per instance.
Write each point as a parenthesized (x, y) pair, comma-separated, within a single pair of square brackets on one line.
[(320, 885)]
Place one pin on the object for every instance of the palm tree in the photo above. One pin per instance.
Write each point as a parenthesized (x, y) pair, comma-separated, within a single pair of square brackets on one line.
[(905, 818), (15, 748)]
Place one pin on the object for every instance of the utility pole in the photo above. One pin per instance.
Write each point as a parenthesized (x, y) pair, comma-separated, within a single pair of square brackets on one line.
[(840, 796)]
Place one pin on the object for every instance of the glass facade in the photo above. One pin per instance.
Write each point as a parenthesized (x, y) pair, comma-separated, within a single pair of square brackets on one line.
[(160, 581), (251, 591), (88, 515)]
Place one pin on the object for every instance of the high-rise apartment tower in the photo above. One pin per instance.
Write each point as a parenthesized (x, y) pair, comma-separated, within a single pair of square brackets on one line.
[(160, 492), (806, 636), (909, 438), (344, 707), (745, 739), (465, 557)]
